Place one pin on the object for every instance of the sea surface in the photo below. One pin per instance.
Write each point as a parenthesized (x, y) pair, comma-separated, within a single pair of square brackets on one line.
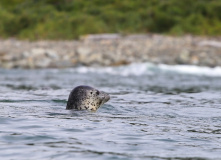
[(157, 112)]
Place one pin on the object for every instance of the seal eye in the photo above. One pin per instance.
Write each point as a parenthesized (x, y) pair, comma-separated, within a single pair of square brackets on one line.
[(97, 92), (91, 92)]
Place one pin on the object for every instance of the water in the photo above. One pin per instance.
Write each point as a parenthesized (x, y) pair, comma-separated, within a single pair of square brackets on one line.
[(156, 112)]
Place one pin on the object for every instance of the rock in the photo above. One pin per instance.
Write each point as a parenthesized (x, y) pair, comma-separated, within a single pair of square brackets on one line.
[(35, 52), (43, 63), (194, 60), (210, 43), (183, 57), (23, 63), (7, 57), (61, 64), (98, 37), (25, 54), (8, 65), (30, 63), (2, 54), (83, 51), (119, 63), (52, 54), (111, 49)]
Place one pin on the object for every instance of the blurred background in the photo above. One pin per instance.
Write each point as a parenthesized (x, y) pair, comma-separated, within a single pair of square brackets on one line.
[(69, 33), (69, 19)]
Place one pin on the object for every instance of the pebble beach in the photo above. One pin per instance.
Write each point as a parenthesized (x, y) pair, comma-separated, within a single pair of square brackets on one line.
[(111, 50)]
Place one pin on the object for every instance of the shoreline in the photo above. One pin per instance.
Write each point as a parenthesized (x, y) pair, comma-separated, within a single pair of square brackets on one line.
[(111, 50)]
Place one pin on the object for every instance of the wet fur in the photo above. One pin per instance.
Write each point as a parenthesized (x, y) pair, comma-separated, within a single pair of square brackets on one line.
[(86, 98)]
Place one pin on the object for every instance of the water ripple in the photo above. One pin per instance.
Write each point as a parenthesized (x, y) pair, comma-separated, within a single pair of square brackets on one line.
[(159, 116)]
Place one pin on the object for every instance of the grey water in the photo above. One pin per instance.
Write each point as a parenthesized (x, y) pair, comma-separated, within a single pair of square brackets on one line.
[(161, 115)]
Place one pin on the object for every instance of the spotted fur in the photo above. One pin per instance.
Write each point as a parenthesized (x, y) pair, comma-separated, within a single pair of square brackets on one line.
[(86, 98)]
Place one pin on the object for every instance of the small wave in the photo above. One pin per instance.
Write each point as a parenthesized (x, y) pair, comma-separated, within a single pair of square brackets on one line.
[(190, 69), (138, 69), (132, 69)]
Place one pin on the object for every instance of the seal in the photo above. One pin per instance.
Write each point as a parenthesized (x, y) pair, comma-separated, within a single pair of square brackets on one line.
[(86, 98)]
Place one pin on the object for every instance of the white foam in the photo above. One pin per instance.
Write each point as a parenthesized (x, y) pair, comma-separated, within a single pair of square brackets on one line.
[(190, 69), (137, 69)]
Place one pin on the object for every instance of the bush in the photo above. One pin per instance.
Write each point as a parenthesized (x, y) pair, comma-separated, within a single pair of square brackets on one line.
[(68, 19)]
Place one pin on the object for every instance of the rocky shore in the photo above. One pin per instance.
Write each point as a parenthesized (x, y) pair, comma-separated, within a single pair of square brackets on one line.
[(110, 50)]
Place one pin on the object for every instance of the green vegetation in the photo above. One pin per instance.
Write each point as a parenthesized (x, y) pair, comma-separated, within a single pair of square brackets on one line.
[(68, 19)]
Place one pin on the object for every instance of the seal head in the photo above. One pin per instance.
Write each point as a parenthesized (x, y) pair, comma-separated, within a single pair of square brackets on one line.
[(86, 98)]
